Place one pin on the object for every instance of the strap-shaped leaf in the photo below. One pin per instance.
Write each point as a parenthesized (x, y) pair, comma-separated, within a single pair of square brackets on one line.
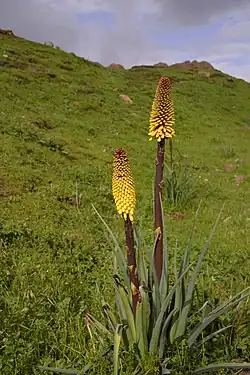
[(209, 337), (160, 319), (142, 322), (126, 307), (118, 251), (164, 283), (163, 337), (222, 309), (142, 268), (76, 372), (117, 341), (182, 320), (92, 321), (216, 366)]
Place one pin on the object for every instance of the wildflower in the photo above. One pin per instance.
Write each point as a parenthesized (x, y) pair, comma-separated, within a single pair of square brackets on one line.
[(162, 114), (123, 185)]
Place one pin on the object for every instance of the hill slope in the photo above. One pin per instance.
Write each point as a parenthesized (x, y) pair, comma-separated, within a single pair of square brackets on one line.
[(61, 118)]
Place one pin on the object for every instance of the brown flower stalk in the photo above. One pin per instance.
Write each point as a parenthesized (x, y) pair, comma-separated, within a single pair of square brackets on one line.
[(161, 127), (125, 200)]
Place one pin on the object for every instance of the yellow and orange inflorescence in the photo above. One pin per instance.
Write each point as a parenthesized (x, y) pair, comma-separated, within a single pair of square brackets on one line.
[(123, 184), (162, 116)]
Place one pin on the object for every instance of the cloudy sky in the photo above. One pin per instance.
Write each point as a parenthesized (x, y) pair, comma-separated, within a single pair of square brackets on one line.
[(133, 32)]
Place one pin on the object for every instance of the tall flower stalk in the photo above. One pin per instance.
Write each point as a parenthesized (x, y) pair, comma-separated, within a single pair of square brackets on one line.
[(161, 128), (125, 200)]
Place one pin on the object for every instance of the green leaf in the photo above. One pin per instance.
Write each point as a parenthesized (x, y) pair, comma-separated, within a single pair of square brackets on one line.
[(126, 308), (110, 316), (179, 297), (59, 371), (163, 336), (98, 326), (181, 323), (107, 311), (164, 278), (122, 315), (77, 372), (155, 288), (142, 322), (159, 322), (138, 370), (207, 306), (180, 294), (142, 268), (120, 261), (222, 309), (117, 341), (216, 366), (118, 251), (209, 337)]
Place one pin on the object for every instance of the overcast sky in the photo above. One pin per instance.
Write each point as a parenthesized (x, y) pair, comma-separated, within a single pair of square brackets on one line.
[(133, 32)]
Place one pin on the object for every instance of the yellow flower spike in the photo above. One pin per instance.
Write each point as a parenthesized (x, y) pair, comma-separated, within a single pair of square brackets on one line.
[(162, 116), (123, 185)]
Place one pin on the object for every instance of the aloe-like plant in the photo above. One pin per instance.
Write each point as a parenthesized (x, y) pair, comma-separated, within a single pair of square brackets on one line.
[(163, 314)]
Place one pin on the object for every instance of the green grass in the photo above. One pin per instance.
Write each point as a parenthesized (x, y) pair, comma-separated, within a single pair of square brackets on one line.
[(61, 118)]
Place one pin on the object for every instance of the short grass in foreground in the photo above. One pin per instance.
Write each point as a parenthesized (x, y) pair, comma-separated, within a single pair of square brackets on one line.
[(61, 117)]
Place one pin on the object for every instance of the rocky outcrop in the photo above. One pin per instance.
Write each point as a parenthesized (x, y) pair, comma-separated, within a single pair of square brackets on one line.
[(141, 66), (194, 65), (161, 65), (116, 66), (188, 65), (6, 33)]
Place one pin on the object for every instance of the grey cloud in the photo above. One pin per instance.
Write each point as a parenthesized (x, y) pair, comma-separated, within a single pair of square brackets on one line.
[(196, 12), (56, 21), (237, 31), (127, 38), (38, 21)]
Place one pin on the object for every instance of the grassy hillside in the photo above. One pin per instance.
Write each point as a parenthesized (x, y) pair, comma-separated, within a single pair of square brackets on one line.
[(61, 118)]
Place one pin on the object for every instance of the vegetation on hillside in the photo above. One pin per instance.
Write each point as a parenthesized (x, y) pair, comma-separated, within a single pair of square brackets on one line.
[(61, 118)]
